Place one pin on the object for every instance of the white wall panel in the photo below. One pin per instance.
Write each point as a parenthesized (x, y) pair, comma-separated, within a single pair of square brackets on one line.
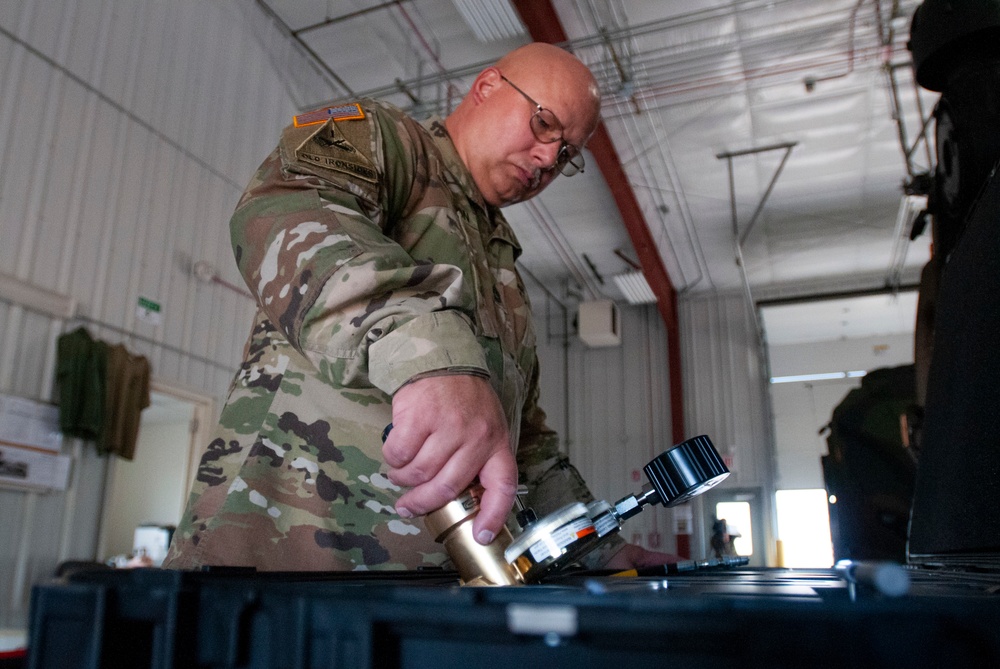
[(127, 131), (724, 384), (725, 394), (618, 401)]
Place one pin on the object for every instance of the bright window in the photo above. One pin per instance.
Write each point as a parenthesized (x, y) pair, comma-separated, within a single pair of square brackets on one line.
[(804, 528)]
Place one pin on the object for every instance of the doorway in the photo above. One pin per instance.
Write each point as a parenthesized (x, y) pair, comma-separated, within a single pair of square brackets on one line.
[(742, 509), (818, 351), (152, 488)]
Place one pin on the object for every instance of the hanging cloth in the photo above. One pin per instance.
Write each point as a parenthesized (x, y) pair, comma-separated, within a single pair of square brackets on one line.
[(81, 367), (127, 395)]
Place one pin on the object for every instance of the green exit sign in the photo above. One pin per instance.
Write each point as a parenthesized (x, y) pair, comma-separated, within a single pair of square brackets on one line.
[(149, 311)]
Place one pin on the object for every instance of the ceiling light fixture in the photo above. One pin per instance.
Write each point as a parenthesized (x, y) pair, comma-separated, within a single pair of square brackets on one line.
[(909, 208), (635, 288), (490, 20), (828, 376)]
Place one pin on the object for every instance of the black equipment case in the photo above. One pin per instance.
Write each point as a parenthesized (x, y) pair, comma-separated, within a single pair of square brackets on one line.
[(706, 618)]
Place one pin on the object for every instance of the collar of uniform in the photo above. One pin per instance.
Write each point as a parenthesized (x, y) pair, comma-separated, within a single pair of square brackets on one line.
[(435, 126), (501, 229)]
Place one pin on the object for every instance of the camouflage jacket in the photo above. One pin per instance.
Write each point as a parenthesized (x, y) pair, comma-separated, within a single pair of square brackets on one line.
[(374, 260)]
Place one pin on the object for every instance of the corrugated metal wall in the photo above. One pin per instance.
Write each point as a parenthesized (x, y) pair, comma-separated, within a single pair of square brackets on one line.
[(128, 129), (618, 400), (725, 395)]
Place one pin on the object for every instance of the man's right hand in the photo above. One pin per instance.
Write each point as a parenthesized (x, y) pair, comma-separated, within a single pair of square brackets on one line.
[(446, 431)]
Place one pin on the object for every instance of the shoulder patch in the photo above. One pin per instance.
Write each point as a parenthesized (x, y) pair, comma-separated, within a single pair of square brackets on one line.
[(330, 149), (348, 112)]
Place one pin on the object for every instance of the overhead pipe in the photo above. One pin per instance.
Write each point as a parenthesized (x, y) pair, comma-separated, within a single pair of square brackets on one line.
[(344, 17), (739, 239), (543, 24), (648, 179), (739, 75), (811, 82), (560, 247), (430, 52), (701, 82), (313, 56), (628, 261)]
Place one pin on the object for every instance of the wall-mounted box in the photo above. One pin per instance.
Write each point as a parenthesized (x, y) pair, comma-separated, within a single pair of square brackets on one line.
[(600, 323)]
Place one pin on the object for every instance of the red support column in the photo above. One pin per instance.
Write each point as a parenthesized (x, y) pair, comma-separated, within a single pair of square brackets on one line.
[(543, 23)]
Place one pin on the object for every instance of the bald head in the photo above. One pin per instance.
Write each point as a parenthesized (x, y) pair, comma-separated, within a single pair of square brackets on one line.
[(552, 67), (492, 126)]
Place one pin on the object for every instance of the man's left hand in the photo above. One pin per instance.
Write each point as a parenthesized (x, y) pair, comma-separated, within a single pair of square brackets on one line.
[(446, 431)]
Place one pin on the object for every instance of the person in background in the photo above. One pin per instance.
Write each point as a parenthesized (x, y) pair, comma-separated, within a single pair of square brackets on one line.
[(387, 293), (723, 541)]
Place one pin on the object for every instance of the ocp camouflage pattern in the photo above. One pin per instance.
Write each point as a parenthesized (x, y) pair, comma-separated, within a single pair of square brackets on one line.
[(374, 260)]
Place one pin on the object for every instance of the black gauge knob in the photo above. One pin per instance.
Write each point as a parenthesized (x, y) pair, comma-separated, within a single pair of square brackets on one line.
[(688, 469)]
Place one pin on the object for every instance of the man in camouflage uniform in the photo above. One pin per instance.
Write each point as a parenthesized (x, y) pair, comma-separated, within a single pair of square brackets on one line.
[(387, 292)]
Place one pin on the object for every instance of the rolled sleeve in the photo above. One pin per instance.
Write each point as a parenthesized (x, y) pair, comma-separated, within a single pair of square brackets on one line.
[(430, 342)]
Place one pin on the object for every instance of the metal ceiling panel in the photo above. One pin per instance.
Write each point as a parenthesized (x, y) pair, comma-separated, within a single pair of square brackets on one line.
[(683, 82), (299, 14), (842, 318)]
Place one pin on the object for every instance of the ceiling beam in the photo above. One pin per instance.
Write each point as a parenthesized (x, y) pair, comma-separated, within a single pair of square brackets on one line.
[(543, 24)]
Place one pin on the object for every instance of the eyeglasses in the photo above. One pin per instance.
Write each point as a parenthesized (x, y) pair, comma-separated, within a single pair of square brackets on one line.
[(547, 129)]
